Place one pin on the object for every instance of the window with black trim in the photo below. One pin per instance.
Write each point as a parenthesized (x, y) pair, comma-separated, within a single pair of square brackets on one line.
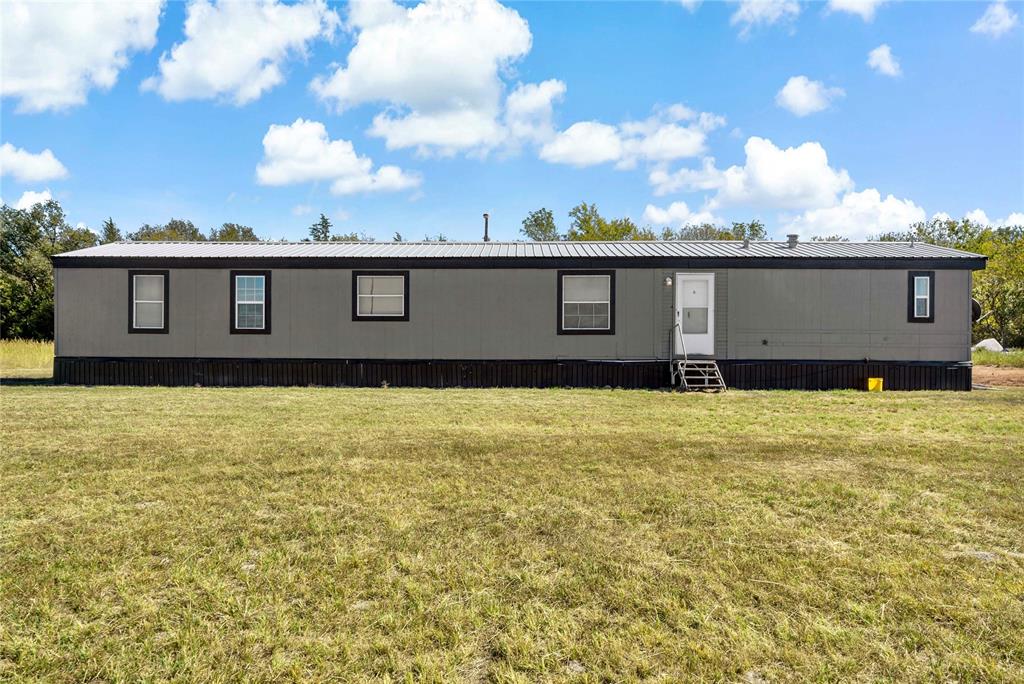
[(380, 295), (586, 302), (921, 296), (250, 302), (148, 300)]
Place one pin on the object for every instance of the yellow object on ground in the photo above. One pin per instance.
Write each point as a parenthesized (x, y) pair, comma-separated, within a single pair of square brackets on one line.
[(874, 384)]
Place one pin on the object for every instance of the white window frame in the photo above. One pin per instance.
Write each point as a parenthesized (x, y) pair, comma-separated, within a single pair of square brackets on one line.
[(927, 296), (608, 301), (372, 296), (136, 301), (262, 303)]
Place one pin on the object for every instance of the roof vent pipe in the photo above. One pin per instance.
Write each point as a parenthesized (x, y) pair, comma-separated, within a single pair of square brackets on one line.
[(487, 219), (792, 239), (746, 243)]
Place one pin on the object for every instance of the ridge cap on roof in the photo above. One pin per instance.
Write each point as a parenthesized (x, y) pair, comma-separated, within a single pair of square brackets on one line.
[(632, 250), (517, 242)]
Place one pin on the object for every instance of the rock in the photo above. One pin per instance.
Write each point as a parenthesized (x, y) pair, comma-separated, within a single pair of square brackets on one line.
[(988, 345)]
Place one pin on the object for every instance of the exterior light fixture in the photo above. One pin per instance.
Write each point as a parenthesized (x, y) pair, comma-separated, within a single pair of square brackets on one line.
[(668, 281)]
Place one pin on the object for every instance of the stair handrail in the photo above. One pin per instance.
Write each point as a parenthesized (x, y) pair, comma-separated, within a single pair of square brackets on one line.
[(676, 331), (682, 342)]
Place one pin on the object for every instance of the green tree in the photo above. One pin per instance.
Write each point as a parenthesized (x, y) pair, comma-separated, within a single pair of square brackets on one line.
[(1000, 287), (233, 232), (178, 230), (588, 224), (540, 226), (352, 237), (111, 233), (703, 231), (28, 238), (321, 230), (829, 238), (752, 230)]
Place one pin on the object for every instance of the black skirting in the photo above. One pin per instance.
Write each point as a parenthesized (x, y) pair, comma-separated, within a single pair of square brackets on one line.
[(760, 374)]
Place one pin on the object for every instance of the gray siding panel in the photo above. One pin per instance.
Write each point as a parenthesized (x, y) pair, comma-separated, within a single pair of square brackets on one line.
[(844, 314), (782, 314), (454, 314)]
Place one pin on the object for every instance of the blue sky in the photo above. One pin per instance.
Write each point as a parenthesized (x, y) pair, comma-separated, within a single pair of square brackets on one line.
[(418, 118)]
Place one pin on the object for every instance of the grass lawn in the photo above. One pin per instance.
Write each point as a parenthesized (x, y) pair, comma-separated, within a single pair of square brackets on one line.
[(1012, 359), (510, 535)]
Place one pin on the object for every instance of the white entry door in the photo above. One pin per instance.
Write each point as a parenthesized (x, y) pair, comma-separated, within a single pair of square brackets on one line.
[(695, 312)]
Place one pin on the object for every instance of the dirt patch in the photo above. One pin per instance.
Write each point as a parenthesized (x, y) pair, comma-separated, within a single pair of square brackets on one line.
[(998, 377)]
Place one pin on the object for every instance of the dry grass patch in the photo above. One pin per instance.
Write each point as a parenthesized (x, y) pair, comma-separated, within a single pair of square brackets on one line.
[(510, 535), (26, 359)]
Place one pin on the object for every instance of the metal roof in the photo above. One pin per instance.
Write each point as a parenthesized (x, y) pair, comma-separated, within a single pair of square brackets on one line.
[(627, 250)]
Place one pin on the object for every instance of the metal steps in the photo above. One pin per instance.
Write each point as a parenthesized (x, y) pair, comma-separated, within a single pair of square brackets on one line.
[(697, 374), (693, 374)]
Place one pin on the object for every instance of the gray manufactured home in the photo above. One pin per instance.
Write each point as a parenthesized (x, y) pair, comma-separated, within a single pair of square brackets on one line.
[(814, 315)]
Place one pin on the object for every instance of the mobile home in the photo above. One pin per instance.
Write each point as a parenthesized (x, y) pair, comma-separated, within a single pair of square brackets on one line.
[(763, 314)]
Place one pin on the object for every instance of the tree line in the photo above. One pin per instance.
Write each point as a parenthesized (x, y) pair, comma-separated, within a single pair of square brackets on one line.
[(31, 236), (587, 223)]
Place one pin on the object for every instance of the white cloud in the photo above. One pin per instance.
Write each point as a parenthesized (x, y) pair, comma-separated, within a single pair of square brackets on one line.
[(301, 210), (802, 96), (865, 9), (673, 132), (997, 20), (585, 143), (979, 216), (528, 110), (236, 51), (690, 5), (31, 198), (677, 214), (858, 216), (303, 152), (27, 167), (792, 178), (705, 178), (751, 13), (437, 65), (882, 60), (817, 198), (661, 138), (55, 52)]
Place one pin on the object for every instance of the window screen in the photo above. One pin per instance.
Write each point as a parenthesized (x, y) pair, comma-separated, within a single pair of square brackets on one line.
[(695, 307), (380, 295), (250, 302), (922, 296), (586, 302), (148, 302)]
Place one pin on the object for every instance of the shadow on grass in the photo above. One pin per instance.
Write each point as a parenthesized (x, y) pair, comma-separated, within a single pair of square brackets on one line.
[(16, 382)]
